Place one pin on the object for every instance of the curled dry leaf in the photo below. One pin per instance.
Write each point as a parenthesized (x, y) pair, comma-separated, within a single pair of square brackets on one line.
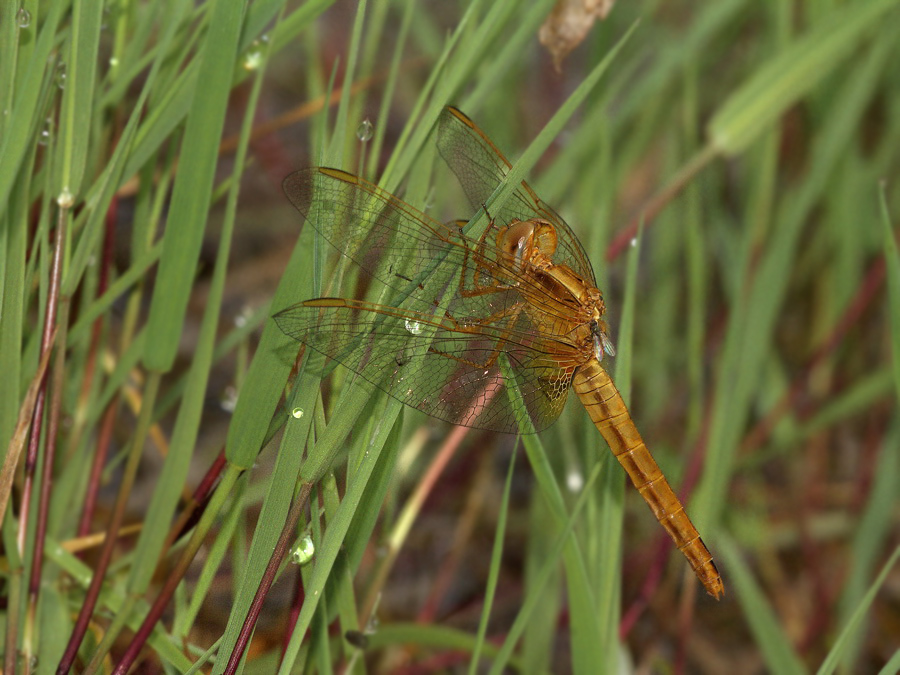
[(569, 23)]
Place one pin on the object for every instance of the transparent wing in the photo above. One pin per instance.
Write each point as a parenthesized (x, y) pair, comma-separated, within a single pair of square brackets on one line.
[(429, 263), (433, 364), (480, 167)]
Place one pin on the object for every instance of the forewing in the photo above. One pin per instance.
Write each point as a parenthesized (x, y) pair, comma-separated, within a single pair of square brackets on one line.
[(429, 263), (480, 167), (386, 237), (428, 363)]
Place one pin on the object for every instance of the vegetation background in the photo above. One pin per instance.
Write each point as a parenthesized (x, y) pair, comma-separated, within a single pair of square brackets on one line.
[(150, 461)]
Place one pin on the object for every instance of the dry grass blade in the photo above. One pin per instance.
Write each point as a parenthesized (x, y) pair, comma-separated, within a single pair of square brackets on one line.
[(20, 436)]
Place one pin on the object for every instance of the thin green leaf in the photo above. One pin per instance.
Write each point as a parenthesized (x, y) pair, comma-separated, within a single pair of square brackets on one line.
[(834, 656), (193, 185), (78, 95), (780, 657), (791, 74)]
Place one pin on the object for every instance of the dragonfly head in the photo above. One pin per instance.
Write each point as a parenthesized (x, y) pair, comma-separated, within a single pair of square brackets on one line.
[(602, 342), (527, 241)]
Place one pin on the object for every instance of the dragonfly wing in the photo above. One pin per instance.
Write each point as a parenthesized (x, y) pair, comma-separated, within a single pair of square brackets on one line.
[(389, 239), (430, 364), (480, 167), (429, 263)]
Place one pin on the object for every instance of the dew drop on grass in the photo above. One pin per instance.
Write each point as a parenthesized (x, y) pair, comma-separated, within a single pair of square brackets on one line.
[(574, 481), (253, 58), (65, 199), (228, 400), (23, 18), (297, 413), (241, 319), (365, 130), (303, 551), (44, 138), (413, 327)]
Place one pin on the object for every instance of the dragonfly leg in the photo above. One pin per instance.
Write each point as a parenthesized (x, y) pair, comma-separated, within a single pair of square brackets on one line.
[(481, 264), (510, 314)]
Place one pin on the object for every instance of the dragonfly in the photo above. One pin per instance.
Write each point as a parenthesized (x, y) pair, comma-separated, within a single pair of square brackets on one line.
[(478, 329)]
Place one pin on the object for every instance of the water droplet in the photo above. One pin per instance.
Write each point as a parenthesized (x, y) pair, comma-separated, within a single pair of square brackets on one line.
[(65, 199), (23, 18), (243, 318), (229, 398), (303, 551), (264, 38), (297, 413), (413, 327), (113, 62), (365, 130), (254, 57), (574, 481), (44, 138), (61, 75), (633, 242)]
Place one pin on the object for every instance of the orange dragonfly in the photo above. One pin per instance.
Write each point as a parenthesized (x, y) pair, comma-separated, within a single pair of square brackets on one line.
[(468, 311)]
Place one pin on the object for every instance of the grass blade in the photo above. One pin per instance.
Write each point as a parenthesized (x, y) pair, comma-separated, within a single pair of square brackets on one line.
[(193, 185)]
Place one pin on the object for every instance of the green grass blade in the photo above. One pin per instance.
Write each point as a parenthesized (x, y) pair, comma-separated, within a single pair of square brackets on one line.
[(490, 590), (871, 535), (562, 542), (780, 657), (269, 370), (437, 637), (892, 667), (892, 261), (342, 129), (10, 35), (279, 493), (187, 425), (78, 96), (792, 74), (193, 185), (13, 247), (853, 625), (584, 623), (755, 311), (337, 530), (25, 112), (875, 525)]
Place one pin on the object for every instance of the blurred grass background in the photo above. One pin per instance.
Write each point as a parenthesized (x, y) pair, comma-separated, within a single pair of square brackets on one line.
[(144, 235)]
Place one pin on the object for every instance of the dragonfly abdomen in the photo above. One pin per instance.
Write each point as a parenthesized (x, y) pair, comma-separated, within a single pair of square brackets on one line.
[(607, 410)]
